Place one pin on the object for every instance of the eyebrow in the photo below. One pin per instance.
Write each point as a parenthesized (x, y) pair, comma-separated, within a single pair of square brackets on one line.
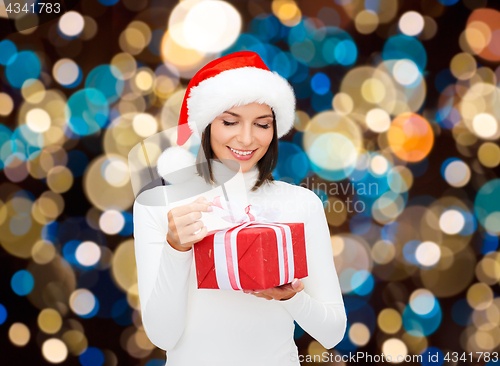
[(237, 115)]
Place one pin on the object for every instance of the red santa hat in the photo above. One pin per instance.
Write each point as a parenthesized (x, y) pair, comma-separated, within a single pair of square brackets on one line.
[(233, 80)]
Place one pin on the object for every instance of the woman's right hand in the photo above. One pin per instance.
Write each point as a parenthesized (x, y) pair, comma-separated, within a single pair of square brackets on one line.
[(184, 229)]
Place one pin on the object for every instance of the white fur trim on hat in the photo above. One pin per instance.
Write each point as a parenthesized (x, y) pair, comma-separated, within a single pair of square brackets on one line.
[(174, 159), (237, 87)]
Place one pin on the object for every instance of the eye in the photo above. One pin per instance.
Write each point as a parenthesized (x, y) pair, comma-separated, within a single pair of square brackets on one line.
[(265, 127), (226, 123)]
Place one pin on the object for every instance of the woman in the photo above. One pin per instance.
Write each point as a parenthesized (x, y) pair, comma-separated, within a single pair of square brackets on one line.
[(242, 109)]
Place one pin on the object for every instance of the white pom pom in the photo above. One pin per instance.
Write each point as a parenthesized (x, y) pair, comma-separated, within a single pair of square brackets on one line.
[(174, 159)]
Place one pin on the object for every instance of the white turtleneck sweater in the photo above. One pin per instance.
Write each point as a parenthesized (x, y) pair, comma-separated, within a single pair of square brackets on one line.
[(225, 327)]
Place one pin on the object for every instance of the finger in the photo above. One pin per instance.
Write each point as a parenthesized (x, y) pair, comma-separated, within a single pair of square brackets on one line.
[(297, 285), (193, 228), (262, 295), (193, 206), (187, 233), (200, 235)]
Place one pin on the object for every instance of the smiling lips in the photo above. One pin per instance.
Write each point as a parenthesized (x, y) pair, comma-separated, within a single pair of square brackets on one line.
[(242, 154)]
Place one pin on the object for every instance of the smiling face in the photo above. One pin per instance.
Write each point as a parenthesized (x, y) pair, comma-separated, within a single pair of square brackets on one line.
[(243, 134)]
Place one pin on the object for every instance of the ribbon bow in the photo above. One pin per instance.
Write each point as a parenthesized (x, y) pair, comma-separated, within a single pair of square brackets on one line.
[(234, 212)]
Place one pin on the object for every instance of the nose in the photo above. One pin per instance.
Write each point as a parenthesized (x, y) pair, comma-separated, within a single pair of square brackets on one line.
[(245, 135)]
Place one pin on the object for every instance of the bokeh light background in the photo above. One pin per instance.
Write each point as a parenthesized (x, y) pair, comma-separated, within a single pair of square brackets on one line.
[(397, 131)]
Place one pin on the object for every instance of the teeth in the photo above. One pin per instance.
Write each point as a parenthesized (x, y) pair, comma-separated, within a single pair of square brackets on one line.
[(241, 152)]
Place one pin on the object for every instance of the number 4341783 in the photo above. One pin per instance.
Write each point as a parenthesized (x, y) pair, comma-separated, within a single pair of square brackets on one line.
[(42, 8)]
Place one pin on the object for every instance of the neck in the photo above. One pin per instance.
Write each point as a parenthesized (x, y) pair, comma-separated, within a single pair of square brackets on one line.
[(222, 174)]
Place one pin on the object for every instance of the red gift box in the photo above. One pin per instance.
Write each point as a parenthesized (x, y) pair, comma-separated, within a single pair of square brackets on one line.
[(268, 255)]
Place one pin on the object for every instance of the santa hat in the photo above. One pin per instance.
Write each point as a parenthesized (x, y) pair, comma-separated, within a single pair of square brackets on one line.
[(236, 79), (233, 80)]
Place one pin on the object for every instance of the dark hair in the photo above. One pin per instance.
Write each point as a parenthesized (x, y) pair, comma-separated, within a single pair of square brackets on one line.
[(266, 164)]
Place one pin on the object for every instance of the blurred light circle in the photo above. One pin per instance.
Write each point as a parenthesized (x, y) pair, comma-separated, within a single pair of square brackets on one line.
[(488, 269), (92, 356), (332, 151), (7, 50), (43, 252), (410, 137), (124, 265), (19, 225), (38, 120), (66, 72), (383, 252), (402, 46), (23, 66), (378, 120), (59, 179), (394, 348), (320, 83), (486, 206), (490, 32), (210, 26), (292, 164), (103, 194), (451, 222), (34, 91), (82, 302), (456, 173), (126, 65), (6, 104), (379, 165), (22, 282), (76, 341), (463, 66), (103, 81), (111, 222), (51, 204), (115, 171), (135, 37), (422, 301), (343, 103), (405, 72), (477, 35), (359, 334), (19, 334), (430, 28), (144, 80), (428, 253), (489, 154), (145, 125), (362, 282), (485, 125), (389, 321), (373, 90), (287, 11), (54, 350), (71, 23), (3, 314), (366, 21), (87, 111), (480, 296), (88, 253), (346, 52), (411, 23), (49, 321)]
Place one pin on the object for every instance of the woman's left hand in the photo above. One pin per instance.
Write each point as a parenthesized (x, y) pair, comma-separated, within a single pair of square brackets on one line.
[(283, 292)]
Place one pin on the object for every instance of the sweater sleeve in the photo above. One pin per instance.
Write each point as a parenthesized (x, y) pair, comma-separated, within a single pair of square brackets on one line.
[(162, 276), (319, 307)]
